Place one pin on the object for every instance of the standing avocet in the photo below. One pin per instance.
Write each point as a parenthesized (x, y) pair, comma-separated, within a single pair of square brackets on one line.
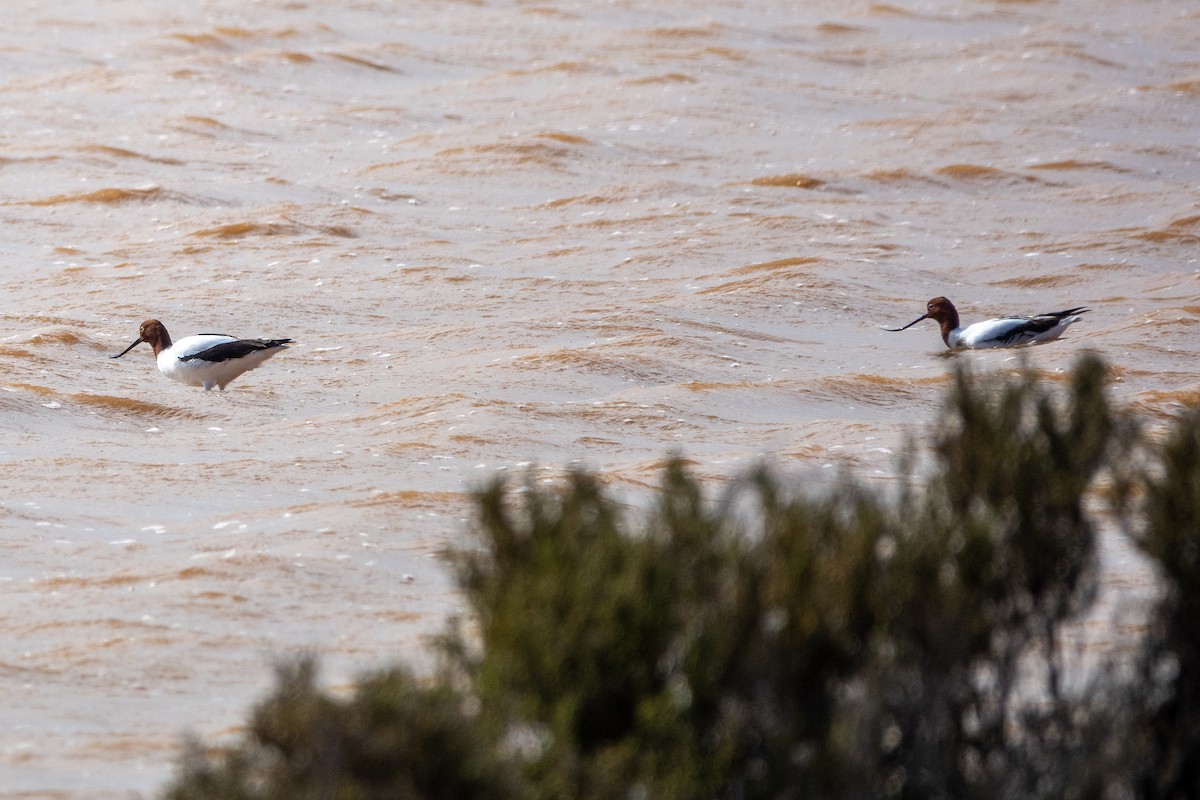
[(207, 359), (1003, 332)]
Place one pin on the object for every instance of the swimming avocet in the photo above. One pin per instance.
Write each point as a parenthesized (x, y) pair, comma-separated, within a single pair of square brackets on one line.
[(207, 359), (1003, 332)]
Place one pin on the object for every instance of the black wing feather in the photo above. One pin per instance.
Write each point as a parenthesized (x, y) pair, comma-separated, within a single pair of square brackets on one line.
[(1039, 324), (235, 349)]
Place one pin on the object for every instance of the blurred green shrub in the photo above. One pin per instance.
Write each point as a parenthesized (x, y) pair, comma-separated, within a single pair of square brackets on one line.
[(837, 641), (395, 737)]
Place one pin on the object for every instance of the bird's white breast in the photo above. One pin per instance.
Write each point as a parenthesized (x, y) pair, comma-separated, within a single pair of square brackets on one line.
[(989, 333), (196, 372)]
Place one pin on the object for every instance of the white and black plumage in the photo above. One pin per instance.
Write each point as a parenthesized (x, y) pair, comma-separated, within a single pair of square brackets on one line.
[(1002, 332), (206, 359)]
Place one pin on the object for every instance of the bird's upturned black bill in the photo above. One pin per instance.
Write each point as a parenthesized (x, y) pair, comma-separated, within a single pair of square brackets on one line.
[(909, 325), (127, 349)]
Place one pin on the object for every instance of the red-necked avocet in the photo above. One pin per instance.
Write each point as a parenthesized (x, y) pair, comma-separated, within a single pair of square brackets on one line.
[(207, 359), (1003, 332)]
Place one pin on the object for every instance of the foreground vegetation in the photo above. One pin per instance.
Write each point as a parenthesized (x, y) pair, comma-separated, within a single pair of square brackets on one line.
[(787, 643)]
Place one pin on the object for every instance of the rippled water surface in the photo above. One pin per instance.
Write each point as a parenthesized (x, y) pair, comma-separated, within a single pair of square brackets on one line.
[(502, 234)]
